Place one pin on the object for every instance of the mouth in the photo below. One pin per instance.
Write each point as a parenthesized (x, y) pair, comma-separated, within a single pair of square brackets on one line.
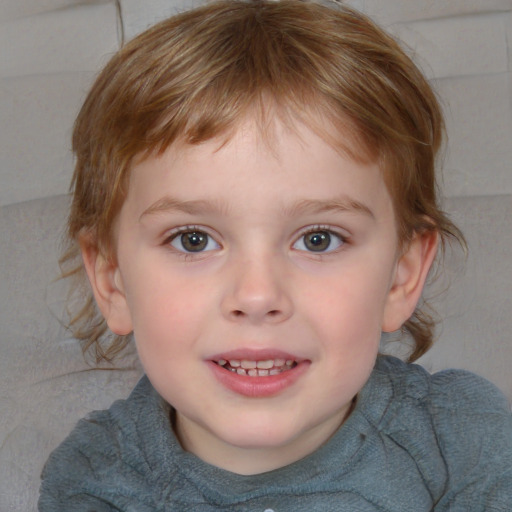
[(258, 374), (254, 368)]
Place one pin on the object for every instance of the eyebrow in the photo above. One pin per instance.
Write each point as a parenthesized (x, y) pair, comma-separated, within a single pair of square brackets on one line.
[(195, 207), (342, 204), (304, 206)]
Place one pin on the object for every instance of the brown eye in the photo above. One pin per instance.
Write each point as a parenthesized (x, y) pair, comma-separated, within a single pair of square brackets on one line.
[(194, 241), (319, 241)]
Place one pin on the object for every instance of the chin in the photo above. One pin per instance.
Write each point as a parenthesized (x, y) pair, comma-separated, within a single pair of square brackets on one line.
[(261, 435)]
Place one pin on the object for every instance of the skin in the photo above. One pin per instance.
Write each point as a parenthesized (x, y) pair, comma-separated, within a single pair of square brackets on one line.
[(257, 289)]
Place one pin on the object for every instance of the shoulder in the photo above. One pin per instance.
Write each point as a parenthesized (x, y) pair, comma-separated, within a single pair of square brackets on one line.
[(469, 424), (473, 424), (454, 400), (103, 451), (97, 435), (469, 411), (447, 390), (458, 390)]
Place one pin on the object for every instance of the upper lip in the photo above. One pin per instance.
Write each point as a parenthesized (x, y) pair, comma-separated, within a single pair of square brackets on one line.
[(242, 354)]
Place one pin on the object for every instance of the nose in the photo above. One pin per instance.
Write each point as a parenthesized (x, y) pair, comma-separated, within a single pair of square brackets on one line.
[(257, 292)]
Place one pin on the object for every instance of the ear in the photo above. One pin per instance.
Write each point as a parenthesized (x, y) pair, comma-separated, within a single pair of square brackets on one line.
[(107, 286), (409, 279)]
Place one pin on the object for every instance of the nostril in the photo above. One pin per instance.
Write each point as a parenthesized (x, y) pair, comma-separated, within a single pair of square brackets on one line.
[(238, 313)]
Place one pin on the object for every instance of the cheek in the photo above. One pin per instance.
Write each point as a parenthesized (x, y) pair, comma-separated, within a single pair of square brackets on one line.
[(167, 315), (162, 295), (350, 299)]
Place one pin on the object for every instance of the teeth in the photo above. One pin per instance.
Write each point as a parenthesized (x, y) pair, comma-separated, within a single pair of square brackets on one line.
[(265, 365), (263, 368)]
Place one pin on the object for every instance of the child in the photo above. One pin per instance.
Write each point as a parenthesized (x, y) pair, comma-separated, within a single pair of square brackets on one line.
[(255, 200)]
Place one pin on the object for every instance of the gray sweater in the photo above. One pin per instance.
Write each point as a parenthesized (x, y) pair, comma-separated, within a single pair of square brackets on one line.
[(413, 443)]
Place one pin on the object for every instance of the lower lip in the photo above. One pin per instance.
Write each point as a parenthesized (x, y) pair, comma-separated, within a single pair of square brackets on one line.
[(258, 387)]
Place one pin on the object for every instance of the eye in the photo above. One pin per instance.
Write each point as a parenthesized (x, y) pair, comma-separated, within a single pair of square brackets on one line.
[(193, 241), (319, 241)]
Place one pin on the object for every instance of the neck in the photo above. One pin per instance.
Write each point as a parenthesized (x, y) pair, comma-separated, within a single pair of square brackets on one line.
[(252, 460)]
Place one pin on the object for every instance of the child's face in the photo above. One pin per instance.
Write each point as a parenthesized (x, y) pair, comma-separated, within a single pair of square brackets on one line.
[(283, 258)]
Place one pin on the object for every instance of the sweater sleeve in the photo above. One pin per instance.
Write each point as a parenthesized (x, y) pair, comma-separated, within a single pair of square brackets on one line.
[(70, 473), (96, 469), (109, 461), (473, 424), (79, 503)]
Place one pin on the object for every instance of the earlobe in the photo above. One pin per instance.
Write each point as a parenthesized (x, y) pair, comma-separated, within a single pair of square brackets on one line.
[(108, 288), (409, 279)]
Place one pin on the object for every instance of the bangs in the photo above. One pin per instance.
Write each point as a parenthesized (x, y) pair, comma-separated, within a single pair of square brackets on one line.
[(192, 82)]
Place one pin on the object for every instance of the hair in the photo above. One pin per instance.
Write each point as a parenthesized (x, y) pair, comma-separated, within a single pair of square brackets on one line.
[(197, 75)]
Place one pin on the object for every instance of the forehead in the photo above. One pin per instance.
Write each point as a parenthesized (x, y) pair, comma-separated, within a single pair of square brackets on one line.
[(284, 166)]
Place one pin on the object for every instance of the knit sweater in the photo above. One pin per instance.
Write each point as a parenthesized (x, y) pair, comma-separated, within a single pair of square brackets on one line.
[(414, 442)]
